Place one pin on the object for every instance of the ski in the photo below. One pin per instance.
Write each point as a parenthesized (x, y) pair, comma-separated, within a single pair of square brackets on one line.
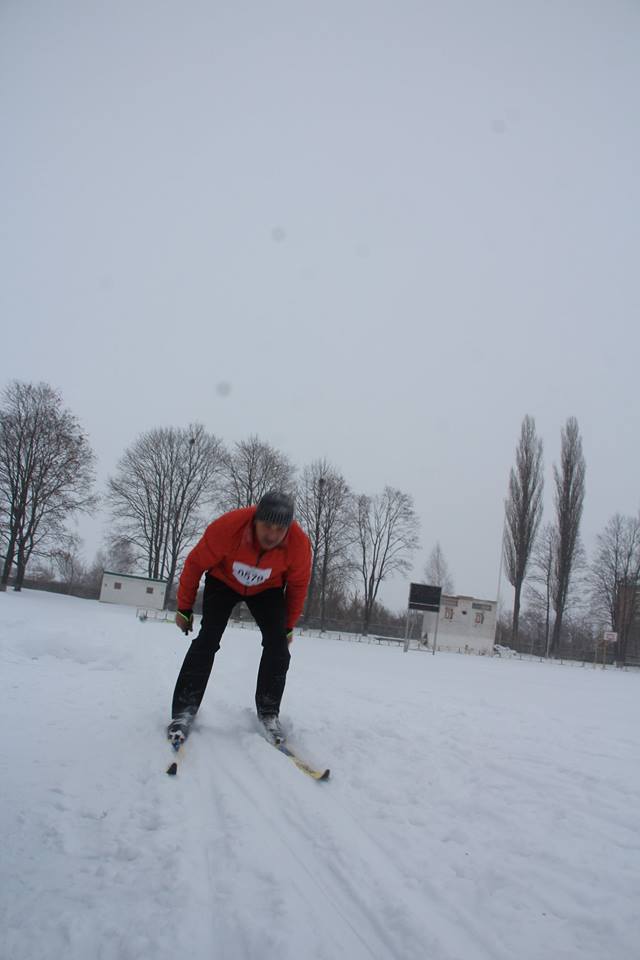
[(274, 734), (301, 764), (178, 742)]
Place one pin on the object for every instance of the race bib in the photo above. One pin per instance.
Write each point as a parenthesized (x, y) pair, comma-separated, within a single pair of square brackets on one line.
[(249, 576)]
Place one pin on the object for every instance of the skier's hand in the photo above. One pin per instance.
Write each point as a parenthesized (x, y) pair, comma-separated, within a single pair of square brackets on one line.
[(289, 637), (184, 620)]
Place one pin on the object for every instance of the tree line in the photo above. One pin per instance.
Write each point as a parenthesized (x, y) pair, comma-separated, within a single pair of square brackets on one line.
[(547, 564), (170, 481), (164, 490)]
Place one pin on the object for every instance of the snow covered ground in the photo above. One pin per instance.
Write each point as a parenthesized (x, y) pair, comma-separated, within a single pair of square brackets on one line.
[(477, 808)]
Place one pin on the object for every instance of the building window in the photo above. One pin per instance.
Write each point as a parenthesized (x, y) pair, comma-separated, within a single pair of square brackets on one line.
[(117, 586), (149, 589), (448, 613), (479, 617)]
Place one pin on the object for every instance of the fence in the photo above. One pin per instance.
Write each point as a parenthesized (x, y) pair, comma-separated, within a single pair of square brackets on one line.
[(241, 623)]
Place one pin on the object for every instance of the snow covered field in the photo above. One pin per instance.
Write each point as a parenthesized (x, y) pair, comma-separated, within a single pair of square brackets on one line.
[(477, 808)]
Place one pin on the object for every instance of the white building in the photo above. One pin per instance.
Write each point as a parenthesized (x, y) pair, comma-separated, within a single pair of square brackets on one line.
[(132, 591), (465, 625)]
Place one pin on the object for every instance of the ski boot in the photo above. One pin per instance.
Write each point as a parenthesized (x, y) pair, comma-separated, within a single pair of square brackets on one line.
[(273, 728), (178, 731)]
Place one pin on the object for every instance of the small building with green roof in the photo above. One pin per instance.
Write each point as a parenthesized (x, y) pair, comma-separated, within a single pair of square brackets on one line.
[(132, 591)]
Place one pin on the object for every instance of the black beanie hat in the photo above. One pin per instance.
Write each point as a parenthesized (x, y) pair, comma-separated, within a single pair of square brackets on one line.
[(275, 507)]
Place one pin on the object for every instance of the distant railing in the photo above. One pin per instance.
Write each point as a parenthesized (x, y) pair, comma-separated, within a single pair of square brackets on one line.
[(168, 616)]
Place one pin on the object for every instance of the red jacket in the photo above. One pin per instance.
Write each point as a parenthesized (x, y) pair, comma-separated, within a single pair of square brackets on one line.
[(230, 552)]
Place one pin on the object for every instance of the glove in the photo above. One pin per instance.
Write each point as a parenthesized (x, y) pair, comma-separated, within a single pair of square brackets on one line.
[(184, 620), (289, 636)]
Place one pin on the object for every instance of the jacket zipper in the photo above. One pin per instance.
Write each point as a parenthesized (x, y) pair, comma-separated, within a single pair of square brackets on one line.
[(261, 554)]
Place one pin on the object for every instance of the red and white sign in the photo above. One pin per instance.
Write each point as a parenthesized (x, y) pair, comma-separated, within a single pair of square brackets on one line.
[(610, 636)]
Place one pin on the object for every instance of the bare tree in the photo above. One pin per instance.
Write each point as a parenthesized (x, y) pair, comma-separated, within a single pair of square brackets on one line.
[(386, 528), (323, 508), (67, 558), (615, 575), (338, 537), (540, 585), (162, 483), (46, 473), (94, 571), (569, 481), (523, 512), (436, 571), (117, 558), (309, 510), (250, 470)]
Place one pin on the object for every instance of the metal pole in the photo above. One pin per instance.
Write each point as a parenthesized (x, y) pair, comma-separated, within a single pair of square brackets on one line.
[(435, 634), (406, 632)]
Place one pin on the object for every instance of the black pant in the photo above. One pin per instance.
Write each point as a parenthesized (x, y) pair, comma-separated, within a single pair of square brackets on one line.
[(269, 611)]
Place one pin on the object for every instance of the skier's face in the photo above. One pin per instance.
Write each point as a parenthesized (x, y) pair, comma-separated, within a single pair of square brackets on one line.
[(269, 535)]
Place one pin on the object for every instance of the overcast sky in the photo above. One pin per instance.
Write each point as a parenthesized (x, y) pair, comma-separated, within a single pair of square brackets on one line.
[(391, 228)]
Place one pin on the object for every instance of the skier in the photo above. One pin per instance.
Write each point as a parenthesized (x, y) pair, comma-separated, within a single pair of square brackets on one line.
[(260, 555)]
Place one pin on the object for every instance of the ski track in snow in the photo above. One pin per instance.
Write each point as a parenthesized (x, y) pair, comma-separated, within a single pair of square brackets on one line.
[(478, 810), (319, 848)]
